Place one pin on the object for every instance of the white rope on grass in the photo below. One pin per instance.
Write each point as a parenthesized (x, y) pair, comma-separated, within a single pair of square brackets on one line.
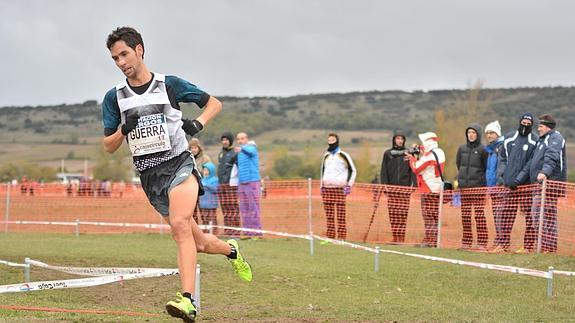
[(511, 269)]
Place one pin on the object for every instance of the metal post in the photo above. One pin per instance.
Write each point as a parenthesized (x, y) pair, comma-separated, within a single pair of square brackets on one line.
[(197, 291), (439, 215), (27, 270), (211, 227), (77, 228), (309, 217), (7, 212), (550, 283), (377, 259), (541, 214)]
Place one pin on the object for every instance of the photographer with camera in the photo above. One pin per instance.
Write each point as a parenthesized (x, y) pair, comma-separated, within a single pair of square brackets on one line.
[(398, 179), (428, 167), (471, 164)]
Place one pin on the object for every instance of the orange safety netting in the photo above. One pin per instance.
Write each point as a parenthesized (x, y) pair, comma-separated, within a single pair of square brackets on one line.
[(493, 218)]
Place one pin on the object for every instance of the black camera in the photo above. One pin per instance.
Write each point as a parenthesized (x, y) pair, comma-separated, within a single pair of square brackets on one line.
[(401, 152), (414, 151)]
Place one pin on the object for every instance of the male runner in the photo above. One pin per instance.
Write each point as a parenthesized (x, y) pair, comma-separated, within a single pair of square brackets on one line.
[(143, 110)]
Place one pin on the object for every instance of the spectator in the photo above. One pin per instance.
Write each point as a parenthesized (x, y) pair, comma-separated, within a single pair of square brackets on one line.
[(228, 193), (494, 142), (249, 189), (395, 171), (516, 150), (337, 177), (547, 163), (24, 185), (427, 169), (199, 155), (209, 201), (471, 161)]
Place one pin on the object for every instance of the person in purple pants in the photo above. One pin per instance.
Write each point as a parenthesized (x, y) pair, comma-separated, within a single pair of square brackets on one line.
[(249, 189)]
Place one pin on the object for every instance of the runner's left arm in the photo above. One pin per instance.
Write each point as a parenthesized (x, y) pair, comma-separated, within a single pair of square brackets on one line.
[(188, 92)]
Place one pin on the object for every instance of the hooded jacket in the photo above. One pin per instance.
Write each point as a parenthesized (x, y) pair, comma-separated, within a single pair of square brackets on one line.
[(248, 163), (548, 158), (395, 168), (515, 153), (227, 158), (210, 199), (471, 161), (492, 157), (426, 168)]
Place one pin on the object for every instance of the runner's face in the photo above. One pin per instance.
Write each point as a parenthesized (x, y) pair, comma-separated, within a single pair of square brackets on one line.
[(127, 59), (225, 143)]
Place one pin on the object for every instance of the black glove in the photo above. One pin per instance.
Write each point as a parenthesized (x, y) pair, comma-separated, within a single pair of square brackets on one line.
[(131, 123), (513, 186), (192, 127)]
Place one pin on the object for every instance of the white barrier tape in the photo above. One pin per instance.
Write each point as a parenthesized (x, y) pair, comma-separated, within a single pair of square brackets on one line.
[(39, 222), (282, 234), (81, 282), (563, 272), (99, 271), (511, 269), (345, 243), (11, 264)]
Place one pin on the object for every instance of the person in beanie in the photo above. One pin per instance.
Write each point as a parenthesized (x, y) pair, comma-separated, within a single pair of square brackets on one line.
[(209, 201), (471, 161), (494, 142), (228, 194), (199, 155), (547, 163), (337, 177), (426, 166), (515, 153), (395, 171)]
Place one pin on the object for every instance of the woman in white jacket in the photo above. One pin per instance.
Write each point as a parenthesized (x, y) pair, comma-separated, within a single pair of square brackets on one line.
[(427, 169)]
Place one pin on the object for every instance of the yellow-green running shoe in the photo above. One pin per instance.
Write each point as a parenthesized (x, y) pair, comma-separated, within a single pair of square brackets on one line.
[(182, 308), (241, 266)]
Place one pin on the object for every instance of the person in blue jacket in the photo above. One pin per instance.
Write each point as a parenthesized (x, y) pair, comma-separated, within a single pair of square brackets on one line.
[(494, 142), (249, 188), (209, 201), (547, 163), (515, 153)]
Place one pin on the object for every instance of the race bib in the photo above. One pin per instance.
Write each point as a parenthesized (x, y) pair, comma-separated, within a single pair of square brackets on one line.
[(150, 136)]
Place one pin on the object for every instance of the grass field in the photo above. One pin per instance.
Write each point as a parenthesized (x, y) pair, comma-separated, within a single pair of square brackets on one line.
[(336, 284)]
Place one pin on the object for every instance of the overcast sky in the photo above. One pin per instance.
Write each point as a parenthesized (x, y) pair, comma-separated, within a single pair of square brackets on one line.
[(53, 51)]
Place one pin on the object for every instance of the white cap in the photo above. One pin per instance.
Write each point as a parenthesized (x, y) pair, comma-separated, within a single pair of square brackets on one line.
[(494, 126)]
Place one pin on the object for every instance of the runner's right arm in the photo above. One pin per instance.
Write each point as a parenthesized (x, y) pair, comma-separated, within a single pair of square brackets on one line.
[(113, 136)]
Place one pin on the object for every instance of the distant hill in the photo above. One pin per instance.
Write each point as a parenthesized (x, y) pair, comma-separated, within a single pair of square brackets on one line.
[(388, 110), (69, 136)]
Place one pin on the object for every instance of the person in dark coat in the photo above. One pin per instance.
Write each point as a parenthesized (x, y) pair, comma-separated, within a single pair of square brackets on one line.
[(547, 163), (471, 163), (515, 153), (228, 194), (398, 179)]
